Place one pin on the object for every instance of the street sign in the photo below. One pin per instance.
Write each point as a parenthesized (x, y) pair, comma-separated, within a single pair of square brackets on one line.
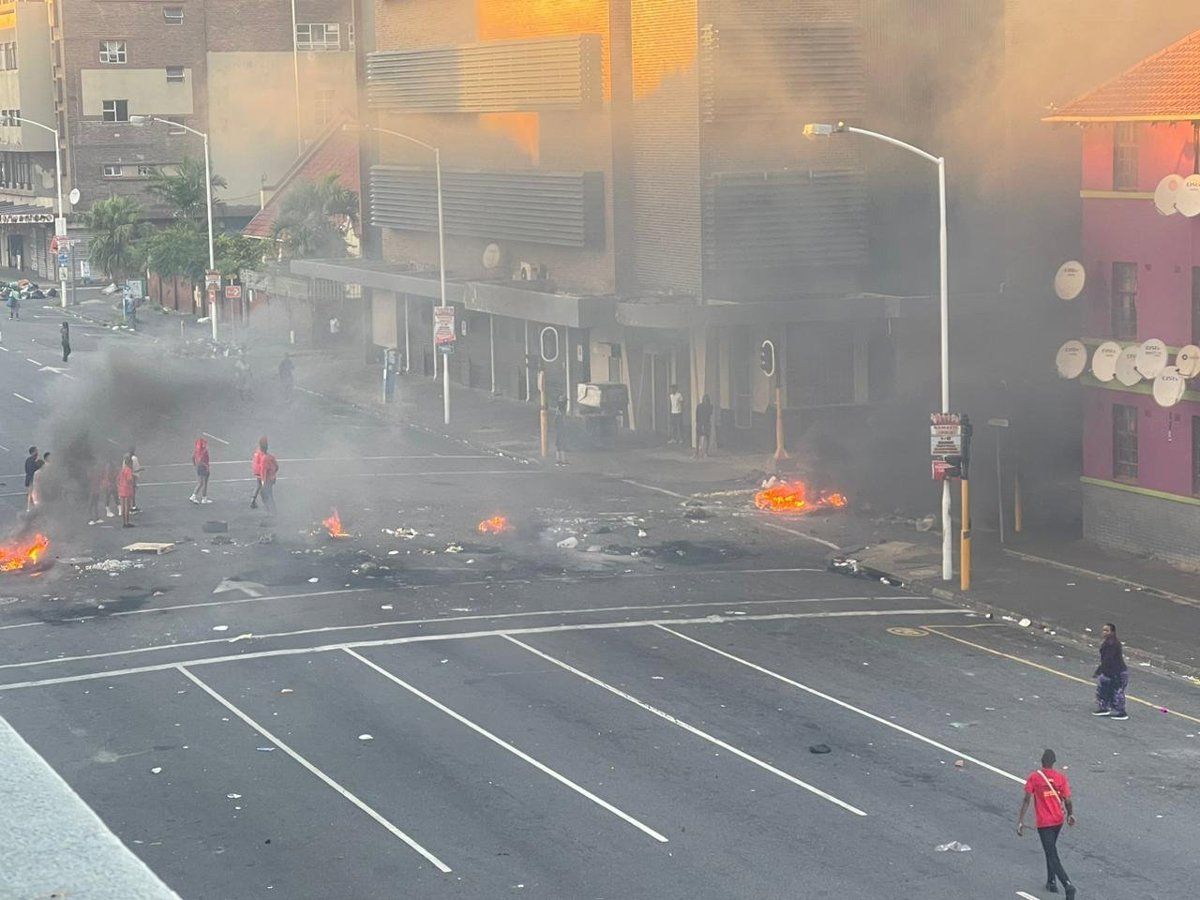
[(85, 268), (945, 445), (443, 328), (948, 438), (64, 259), (233, 292), (64, 274)]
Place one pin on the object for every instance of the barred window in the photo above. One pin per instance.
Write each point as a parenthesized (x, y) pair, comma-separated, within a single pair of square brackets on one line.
[(1124, 301), (1125, 442), (318, 36), (113, 52), (1125, 156)]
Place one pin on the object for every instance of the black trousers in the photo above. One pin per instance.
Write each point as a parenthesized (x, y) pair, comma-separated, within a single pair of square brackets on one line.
[(1054, 866)]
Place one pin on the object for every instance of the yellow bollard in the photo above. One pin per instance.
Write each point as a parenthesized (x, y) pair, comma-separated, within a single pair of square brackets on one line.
[(965, 540)]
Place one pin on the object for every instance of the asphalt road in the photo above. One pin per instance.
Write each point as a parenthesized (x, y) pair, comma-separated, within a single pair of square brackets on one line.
[(440, 713)]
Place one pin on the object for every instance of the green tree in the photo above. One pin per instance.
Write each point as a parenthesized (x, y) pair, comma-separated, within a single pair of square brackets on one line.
[(181, 250), (183, 190), (116, 226), (236, 253), (311, 216)]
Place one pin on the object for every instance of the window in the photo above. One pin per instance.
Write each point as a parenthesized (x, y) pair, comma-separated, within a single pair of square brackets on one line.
[(173, 15), (349, 35), (323, 107), (1125, 442), (10, 118), (147, 171), (1196, 455), (174, 125), (16, 171), (1125, 156), (113, 52), (113, 171), (8, 55), (116, 110), (174, 74), (1124, 301), (318, 36)]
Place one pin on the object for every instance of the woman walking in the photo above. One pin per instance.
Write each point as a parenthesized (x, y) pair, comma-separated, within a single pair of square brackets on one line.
[(65, 334), (1112, 676), (704, 413), (125, 491), (200, 459)]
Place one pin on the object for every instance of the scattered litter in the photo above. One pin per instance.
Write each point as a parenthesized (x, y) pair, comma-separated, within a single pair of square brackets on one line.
[(406, 534), (1146, 665), (313, 580), (569, 543), (819, 748), (656, 678), (697, 514), (215, 527), (286, 691), (113, 565), (962, 724), (366, 737), (925, 524), (156, 770), (77, 561), (387, 606), (960, 764), (265, 749), (233, 796), (454, 548), (249, 588), (1070, 584), (1025, 623), (953, 847), (642, 533), (157, 548), (222, 540), (241, 637)]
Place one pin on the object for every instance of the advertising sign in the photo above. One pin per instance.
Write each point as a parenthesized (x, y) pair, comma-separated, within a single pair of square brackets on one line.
[(443, 328)]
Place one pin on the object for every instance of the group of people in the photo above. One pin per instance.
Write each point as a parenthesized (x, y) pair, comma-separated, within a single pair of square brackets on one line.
[(242, 376), (263, 465), (704, 416)]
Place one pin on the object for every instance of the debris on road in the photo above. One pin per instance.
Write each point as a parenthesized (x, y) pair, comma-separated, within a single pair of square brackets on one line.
[(819, 748), (366, 737), (220, 628), (249, 588), (215, 527), (156, 770), (113, 565), (156, 548), (569, 543), (952, 847)]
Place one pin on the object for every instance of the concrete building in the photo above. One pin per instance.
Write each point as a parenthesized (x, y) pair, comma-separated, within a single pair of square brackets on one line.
[(259, 87), (1140, 246)]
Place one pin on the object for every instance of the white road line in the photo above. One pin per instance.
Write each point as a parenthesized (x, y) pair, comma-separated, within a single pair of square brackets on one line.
[(5, 449), (442, 867), (320, 459), (500, 742), (34, 361), (729, 748), (412, 639), (800, 534), (1026, 896), (650, 487), (844, 705), (215, 438), (19, 397), (5, 349)]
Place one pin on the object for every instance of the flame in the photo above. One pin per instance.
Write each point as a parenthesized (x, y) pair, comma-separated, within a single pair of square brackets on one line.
[(334, 526), (792, 496), (494, 525), (23, 554)]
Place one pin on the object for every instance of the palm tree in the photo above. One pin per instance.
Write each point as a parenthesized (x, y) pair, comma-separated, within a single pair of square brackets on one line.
[(312, 216), (116, 226), (184, 190)]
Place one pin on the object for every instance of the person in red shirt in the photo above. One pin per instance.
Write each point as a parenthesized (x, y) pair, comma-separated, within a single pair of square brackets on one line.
[(268, 472), (201, 460), (1050, 792), (125, 485), (256, 468)]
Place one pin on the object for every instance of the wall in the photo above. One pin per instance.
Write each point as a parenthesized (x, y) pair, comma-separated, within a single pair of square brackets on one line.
[(29, 88), (147, 90), (1164, 462), (1140, 524)]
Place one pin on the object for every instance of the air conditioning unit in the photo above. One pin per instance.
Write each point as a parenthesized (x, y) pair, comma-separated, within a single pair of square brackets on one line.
[(527, 271)]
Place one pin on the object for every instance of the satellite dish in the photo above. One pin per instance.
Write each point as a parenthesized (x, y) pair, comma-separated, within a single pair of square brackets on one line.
[(1068, 282), (1187, 201), (74, 196), (1169, 387), (1187, 361), (491, 256), (1104, 361), (1166, 193), (1127, 372), (1071, 359), (1151, 358)]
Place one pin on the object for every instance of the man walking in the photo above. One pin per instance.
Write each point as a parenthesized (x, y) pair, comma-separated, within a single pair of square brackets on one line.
[(269, 468), (256, 469), (1112, 676), (704, 413), (675, 427), (33, 462), (1050, 792), (65, 334)]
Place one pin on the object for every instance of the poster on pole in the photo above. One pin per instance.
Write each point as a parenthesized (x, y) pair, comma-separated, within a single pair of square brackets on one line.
[(444, 334)]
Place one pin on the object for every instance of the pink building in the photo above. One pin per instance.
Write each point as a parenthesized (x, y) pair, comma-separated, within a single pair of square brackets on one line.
[(1141, 460)]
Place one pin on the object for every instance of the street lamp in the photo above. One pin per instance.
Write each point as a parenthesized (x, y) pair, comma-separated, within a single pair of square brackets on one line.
[(437, 162), (212, 262), (821, 130), (60, 223)]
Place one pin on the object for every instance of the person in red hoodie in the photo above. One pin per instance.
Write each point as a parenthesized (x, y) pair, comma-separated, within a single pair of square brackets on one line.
[(268, 472), (200, 459), (125, 485), (1050, 793), (256, 468)]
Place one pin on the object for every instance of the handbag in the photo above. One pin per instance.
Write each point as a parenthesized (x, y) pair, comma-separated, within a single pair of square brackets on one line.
[(1050, 784)]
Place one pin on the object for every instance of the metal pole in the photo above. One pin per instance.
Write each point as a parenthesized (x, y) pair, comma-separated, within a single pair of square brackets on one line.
[(999, 484), (407, 354), (212, 261), (964, 565), (296, 80), (492, 348), (567, 363), (943, 273), (528, 386), (437, 160), (61, 223)]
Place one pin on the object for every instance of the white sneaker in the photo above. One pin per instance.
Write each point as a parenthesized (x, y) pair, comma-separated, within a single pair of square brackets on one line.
[(205, 500), (109, 513), (194, 499)]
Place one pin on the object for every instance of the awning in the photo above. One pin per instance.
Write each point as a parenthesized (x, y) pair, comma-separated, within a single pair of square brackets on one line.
[(857, 307), (25, 214)]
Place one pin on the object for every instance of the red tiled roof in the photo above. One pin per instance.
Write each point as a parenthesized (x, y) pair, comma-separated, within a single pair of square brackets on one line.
[(334, 152), (1164, 87)]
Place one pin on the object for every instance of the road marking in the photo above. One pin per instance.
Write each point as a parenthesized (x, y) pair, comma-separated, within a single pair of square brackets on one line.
[(315, 771), (34, 361), (2, 347), (321, 459), (1026, 896), (19, 397), (408, 639), (1066, 675), (692, 729), (800, 534), (500, 742), (650, 487), (215, 438), (844, 705), (5, 449)]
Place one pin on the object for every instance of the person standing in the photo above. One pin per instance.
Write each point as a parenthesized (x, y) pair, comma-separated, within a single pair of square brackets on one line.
[(96, 492), (33, 462), (1050, 792), (126, 483), (136, 465), (241, 376), (1112, 676), (287, 376), (560, 432), (269, 467), (14, 305), (200, 459), (256, 469), (675, 425), (704, 413), (65, 334)]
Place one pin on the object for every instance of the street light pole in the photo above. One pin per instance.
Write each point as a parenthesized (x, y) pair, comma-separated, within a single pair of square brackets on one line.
[(813, 130), (60, 223), (437, 162)]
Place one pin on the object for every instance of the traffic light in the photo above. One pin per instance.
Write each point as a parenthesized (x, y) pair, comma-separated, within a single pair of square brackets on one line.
[(955, 467), (766, 358)]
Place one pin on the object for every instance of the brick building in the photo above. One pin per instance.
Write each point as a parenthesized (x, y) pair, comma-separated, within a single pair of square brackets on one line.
[(1140, 246)]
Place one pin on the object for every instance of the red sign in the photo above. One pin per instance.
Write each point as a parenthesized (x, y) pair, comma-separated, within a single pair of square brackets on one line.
[(233, 292), (443, 326), (941, 470)]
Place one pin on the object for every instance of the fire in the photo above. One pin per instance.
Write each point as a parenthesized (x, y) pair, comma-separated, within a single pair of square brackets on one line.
[(23, 554), (334, 526), (792, 496), (494, 525)]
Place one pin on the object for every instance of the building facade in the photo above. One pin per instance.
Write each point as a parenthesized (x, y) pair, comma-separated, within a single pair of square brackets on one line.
[(1140, 246)]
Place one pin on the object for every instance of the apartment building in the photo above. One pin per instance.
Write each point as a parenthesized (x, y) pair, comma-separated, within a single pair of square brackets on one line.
[(259, 87)]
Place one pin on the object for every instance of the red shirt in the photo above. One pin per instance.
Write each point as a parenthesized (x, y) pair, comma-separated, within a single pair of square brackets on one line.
[(256, 463), (125, 483), (1046, 807), (268, 467)]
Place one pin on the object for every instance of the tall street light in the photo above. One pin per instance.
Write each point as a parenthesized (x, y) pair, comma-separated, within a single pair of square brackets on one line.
[(437, 162), (60, 223), (818, 130), (212, 262)]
